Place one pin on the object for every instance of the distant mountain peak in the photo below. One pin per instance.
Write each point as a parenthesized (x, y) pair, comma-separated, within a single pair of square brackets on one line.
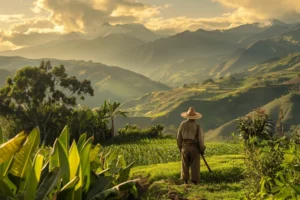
[(272, 22)]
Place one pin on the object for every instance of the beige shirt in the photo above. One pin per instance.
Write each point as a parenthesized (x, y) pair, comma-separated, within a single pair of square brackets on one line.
[(188, 130)]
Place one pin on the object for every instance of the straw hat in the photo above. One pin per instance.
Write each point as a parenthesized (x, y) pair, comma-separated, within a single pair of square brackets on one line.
[(191, 114)]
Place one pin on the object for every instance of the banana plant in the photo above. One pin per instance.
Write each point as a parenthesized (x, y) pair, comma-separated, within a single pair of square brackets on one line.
[(77, 172)]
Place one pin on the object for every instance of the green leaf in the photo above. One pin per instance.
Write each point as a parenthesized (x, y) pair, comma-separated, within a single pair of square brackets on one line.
[(67, 192), (64, 138), (2, 139), (98, 186), (78, 187), (110, 158), (11, 147), (115, 191), (5, 190), (54, 157), (23, 158), (4, 167), (74, 160), (134, 191), (94, 152), (107, 194), (63, 162), (48, 184), (121, 162), (102, 172), (35, 176), (279, 183), (85, 162), (296, 188), (81, 141), (11, 185), (71, 184), (124, 173)]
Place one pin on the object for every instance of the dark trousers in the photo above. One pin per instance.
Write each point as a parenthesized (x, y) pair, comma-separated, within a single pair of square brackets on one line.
[(190, 158)]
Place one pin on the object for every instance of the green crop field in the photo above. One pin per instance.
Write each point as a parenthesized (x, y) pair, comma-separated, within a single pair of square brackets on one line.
[(157, 162), (154, 151)]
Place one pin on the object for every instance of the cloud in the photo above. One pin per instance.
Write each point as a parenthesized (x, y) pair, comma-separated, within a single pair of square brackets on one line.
[(11, 18), (29, 32), (244, 11), (287, 10), (33, 23), (89, 15), (7, 45)]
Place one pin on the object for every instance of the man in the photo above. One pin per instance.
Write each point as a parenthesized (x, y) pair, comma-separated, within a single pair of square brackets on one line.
[(190, 141)]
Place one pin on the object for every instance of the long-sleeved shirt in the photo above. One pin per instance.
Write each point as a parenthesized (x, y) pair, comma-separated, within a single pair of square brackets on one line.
[(187, 131)]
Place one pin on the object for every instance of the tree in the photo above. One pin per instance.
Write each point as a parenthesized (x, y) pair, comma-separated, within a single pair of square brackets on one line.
[(111, 110), (41, 97)]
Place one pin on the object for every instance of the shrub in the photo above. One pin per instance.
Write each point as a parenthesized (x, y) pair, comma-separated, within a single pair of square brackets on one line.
[(272, 162), (132, 131)]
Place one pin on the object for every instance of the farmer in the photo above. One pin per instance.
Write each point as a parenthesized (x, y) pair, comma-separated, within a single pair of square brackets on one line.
[(190, 141)]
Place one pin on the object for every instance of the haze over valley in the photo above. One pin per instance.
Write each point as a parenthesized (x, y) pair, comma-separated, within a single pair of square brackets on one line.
[(156, 67)]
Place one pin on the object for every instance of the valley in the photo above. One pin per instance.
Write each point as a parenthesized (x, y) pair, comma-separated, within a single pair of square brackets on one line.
[(114, 109)]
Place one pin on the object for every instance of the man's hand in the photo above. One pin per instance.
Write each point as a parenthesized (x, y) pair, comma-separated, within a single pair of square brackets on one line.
[(202, 151)]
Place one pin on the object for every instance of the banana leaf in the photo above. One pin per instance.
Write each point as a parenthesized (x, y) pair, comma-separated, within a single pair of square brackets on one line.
[(85, 163), (11, 147), (5, 190), (74, 160), (63, 162), (81, 141), (35, 176), (68, 191), (48, 184), (23, 157), (64, 137)]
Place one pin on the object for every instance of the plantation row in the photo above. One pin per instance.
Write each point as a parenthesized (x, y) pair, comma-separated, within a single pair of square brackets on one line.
[(154, 151)]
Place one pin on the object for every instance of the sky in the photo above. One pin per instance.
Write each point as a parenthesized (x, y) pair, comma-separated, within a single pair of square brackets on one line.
[(31, 22)]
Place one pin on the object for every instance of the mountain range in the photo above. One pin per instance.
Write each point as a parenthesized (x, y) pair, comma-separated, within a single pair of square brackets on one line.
[(137, 48), (224, 74), (223, 100)]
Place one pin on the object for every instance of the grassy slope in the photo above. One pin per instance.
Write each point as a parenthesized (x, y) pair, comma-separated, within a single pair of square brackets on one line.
[(220, 111), (290, 105), (286, 64), (222, 183), (218, 101), (215, 105)]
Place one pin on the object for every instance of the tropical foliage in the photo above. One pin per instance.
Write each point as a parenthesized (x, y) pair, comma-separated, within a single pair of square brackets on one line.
[(134, 132), (41, 97), (111, 110), (272, 160), (62, 171)]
